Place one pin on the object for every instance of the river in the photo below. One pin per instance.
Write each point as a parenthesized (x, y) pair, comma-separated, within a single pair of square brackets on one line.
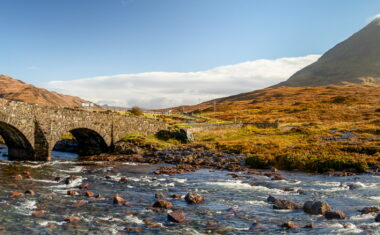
[(234, 203)]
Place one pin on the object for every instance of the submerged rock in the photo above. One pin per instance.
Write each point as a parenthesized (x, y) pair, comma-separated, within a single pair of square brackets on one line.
[(177, 216), (194, 198), (338, 214), (371, 209), (31, 192), (16, 194), (163, 204), (289, 224), (316, 207), (40, 213), (72, 219)]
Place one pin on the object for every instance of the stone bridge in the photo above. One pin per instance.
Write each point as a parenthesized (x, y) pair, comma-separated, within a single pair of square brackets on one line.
[(30, 130)]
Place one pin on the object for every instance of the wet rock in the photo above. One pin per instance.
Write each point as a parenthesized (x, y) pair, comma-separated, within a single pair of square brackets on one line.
[(159, 195), (287, 189), (84, 186), (271, 199), (257, 226), (371, 209), (72, 192), (31, 192), (79, 204), (89, 194), (151, 224), (176, 196), (177, 216), (377, 218), (338, 214), (133, 229), (212, 224), (123, 180), (301, 191), (70, 179), (163, 204), (58, 179), (28, 177), (282, 204), (72, 219), (289, 225), (278, 177), (316, 207), (16, 194), (40, 213), (118, 200), (309, 226), (194, 198), (18, 177)]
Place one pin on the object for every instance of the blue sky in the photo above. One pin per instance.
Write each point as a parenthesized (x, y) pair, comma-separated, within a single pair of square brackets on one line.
[(46, 40)]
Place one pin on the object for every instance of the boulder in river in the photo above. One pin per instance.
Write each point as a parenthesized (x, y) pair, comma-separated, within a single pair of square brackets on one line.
[(31, 192), (289, 224), (40, 213), (177, 216), (338, 214), (118, 200), (72, 192), (16, 194), (370, 209), (159, 195), (282, 204), (163, 204), (377, 219), (90, 194), (194, 198), (72, 219), (316, 207), (17, 177)]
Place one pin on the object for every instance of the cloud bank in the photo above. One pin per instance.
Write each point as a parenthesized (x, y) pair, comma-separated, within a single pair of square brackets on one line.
[(167, 89)]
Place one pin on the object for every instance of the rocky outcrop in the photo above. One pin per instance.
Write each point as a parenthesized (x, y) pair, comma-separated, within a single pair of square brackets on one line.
[(316, 207)]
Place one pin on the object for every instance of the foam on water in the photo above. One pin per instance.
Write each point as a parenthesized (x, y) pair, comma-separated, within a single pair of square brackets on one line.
[(133, 219), (75, 169), (26, 207)]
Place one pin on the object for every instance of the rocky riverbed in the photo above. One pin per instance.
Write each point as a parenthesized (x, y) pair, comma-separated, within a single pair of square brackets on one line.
[(93, 197)]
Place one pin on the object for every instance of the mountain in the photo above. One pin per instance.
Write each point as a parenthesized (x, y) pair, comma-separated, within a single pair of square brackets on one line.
[(13, 89), (355, 60)]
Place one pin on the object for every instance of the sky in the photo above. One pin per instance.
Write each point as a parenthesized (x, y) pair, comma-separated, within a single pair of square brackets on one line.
[(162, 53)]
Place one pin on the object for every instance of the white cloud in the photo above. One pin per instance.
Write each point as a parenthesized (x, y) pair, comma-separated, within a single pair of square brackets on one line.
[(166, 89)]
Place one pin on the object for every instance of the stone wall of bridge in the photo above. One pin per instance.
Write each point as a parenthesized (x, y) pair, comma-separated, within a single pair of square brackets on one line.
[(31, 130)]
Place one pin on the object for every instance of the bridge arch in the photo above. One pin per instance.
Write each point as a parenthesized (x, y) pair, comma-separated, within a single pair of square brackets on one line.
[(90, 142), (19, 147)]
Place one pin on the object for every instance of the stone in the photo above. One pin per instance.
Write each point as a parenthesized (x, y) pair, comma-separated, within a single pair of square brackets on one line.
[(159, 195), (212, 224), (289, 225), (84, 186), (40, 213), (16, 194), (377, 218), (79, 203), (316, 207), (118, 200), (338, 214), (151, 224), (282, 204), (89, 194), (123, 180), (134, 229), (371, 209), (176, 196), (72, 192), (309, 226), (70, 179), (163, 204), (72, 219), (194, 198), (257, 226), (31, 192), (58, 179), (177, 216), (18, 177)]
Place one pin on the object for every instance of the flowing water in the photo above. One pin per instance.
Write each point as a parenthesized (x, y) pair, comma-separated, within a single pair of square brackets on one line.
[(231, 202)]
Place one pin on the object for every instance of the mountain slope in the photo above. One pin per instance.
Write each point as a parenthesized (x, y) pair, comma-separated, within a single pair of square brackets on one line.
[(355, 60), (17, 90)]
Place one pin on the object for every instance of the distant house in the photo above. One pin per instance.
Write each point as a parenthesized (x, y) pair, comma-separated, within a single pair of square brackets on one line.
[(87, 105)]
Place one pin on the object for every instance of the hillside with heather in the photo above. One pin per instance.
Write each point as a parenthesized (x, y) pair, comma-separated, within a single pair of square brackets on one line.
[(13, 89)]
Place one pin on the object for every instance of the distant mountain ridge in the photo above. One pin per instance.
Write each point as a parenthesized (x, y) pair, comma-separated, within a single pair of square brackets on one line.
[(13, 89), (355, 60)]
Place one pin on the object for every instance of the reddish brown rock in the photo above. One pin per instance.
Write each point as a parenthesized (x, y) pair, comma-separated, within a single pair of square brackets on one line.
[(163, 204), (79, 204), (18, 177), (282, 204), (151, 224), (89, 194), (72, 219), (31, 192), (40, 213), (123, 180), (84, 186), (194, 198), (118, 200), (16, 194), (72, 192), (316, 207), (134, 229), (177, 216), (289, 225), (176, 196), (159, 195), (338, 214), (371, 209)]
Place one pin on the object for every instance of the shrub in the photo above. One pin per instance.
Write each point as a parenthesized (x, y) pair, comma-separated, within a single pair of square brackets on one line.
[(137, 111)]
